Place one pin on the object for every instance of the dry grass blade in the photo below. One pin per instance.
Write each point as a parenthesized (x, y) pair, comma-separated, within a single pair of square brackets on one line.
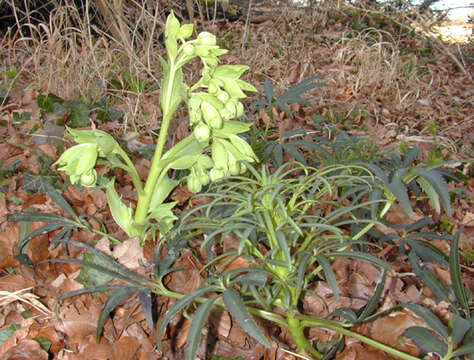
[(378, 65), (24, 296)]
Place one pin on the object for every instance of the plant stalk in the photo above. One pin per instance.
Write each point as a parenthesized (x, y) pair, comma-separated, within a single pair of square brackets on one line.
[(143, 203), (295, 329), (307, 321)]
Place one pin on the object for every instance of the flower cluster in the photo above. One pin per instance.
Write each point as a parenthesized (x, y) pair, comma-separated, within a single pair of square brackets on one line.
[(79, 161)]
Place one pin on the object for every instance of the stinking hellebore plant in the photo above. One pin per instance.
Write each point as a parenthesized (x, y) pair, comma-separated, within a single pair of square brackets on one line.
[(214, 149)]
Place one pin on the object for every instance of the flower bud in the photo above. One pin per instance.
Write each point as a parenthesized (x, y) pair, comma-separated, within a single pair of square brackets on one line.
[(223, 96), (226, 114), (194, 184), (204, 162), (204, 178), (188, 49), (234, 169), (206, 38), (195, 116), (216, 174), (202, 132), (78, 160), (231, 107), (211, 115), (89, 179)]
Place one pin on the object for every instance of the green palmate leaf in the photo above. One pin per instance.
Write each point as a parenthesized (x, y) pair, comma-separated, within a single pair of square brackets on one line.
[(113, 300), (361, 256), (431, 319), (284, 249), (7, 332), (460, 327), (88, 290), (294, 93), (253, 277), (146, 302), (438, 183), (236, 306), (374, 300), (329, 274), (431, 192), (426, 340), (419, 224), (64, 234), (180, 305), (291, 133), (375, 199), (39, 231), (428, 253), (59, 199), (455, 272), (33, 216), (410, 156), (106, 271), (293, 151), (305, 260), (111, 263), (79, 113), (467, 349), (194, 333), (43, 184), (399, 190), (428, 278), (268, 90), (92, 277)]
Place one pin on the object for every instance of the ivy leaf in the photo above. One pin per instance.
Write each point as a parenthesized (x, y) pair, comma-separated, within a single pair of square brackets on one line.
[(7, 332)]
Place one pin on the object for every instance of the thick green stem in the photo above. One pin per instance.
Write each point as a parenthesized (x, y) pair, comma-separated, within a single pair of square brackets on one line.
[(144, 200), (295, 329)]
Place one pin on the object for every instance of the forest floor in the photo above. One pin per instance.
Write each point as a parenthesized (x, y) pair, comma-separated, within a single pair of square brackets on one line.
[(400, 89)]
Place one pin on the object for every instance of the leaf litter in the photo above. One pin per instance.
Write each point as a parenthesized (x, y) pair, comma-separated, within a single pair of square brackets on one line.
[(28, 294)]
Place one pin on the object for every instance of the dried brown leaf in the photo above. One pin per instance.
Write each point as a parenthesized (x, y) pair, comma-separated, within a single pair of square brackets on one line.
[(26, 350)]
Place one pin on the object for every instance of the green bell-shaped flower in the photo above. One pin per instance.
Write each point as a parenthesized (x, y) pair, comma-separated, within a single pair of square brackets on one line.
[(78, 160), (202, 132), (89, 179), (206, 38), (211, 115)]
